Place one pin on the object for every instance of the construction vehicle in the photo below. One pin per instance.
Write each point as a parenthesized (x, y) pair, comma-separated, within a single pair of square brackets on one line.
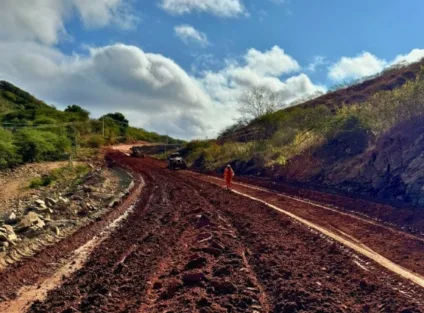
[(137, 152), (176, 161)]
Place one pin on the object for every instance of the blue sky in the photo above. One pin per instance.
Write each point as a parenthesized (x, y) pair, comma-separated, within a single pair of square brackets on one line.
[(179, 66)]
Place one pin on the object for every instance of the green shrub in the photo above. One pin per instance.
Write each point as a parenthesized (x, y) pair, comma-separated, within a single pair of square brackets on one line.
[(38, 182), (34, 145), (65, 173), (10, 96), (8, 151), (198, 144), (386, 109), (95, 141), (44, 120)]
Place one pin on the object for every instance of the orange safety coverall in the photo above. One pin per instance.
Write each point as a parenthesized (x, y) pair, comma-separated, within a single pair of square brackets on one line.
[(228, 175)]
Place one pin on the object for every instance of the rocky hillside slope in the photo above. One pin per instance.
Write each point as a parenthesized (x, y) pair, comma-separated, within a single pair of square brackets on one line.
[(393, 169), (371, 149)]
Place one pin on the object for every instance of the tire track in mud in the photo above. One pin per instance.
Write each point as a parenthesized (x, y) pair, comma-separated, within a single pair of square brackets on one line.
[(403, 249), (197, 248), (247, 219), (357, 247), (114, 278)]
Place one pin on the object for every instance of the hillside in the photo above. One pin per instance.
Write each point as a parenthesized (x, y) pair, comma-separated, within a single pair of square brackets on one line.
[(364, 140), (31, 130), (358, 92), (13, 98)]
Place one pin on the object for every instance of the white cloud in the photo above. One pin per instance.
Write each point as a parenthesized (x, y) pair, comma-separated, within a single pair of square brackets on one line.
[(41, 20), (273, 62), (261, 69), (100, 13), (222, 8), (414, 56), (189, 34), (112, 78), (365, 64), (44, 20), (150, 89), (317, 61)]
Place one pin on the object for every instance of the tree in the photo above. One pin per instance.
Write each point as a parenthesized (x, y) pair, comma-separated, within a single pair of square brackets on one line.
[(119, 117), (84, 114), (116, 121), (257, 102)]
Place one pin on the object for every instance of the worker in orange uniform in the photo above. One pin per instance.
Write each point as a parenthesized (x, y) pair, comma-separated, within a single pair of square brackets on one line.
[(228, 176)]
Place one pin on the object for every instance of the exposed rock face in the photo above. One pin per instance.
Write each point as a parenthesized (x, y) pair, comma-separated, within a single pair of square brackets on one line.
[(390, 169)]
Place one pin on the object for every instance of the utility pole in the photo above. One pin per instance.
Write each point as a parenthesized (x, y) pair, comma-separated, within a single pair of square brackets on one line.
[(103, 127), (71, 163)]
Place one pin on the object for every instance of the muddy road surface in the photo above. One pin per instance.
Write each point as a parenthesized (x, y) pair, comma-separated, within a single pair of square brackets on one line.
[(188, 245)]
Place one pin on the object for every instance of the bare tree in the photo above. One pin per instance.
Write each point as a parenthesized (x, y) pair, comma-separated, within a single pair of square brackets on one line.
[(257, 102)]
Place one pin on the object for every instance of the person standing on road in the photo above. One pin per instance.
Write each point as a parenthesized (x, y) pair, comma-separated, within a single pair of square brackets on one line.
[(228, 176)]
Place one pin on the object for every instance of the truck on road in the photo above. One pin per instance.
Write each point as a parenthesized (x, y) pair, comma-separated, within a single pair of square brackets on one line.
[(175, 161)]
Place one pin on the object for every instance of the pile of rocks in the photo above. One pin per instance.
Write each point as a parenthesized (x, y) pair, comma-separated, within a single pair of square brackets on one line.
[(41, 218), (30, 223), (7, 237)]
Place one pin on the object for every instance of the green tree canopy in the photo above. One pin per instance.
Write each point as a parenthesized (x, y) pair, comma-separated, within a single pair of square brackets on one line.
[(84, 114), (116, 121)]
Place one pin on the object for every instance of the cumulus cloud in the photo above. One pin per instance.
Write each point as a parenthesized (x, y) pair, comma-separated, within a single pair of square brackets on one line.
[(222, 8), (365, 64), (189, 34), (110, 78), (44, 20), (414, 56), (274, 62), (100, 13), (150, 89), (260, 69)]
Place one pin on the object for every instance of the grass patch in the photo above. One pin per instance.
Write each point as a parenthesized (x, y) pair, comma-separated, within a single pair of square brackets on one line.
[(59, 175)]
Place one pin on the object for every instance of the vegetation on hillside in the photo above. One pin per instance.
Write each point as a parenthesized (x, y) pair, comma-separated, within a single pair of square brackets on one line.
[(32, 131), (284, 134), (61, 174)]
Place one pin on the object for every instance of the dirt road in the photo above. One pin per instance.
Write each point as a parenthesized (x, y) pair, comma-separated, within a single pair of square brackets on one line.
[(190, 246)]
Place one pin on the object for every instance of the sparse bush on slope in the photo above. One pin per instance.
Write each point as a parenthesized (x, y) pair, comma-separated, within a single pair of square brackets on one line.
[(285, 134), (389, 108), (35, 146), (8, 151)]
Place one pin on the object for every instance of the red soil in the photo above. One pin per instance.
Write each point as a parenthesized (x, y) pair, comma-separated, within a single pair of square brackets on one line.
[(190, 246)]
